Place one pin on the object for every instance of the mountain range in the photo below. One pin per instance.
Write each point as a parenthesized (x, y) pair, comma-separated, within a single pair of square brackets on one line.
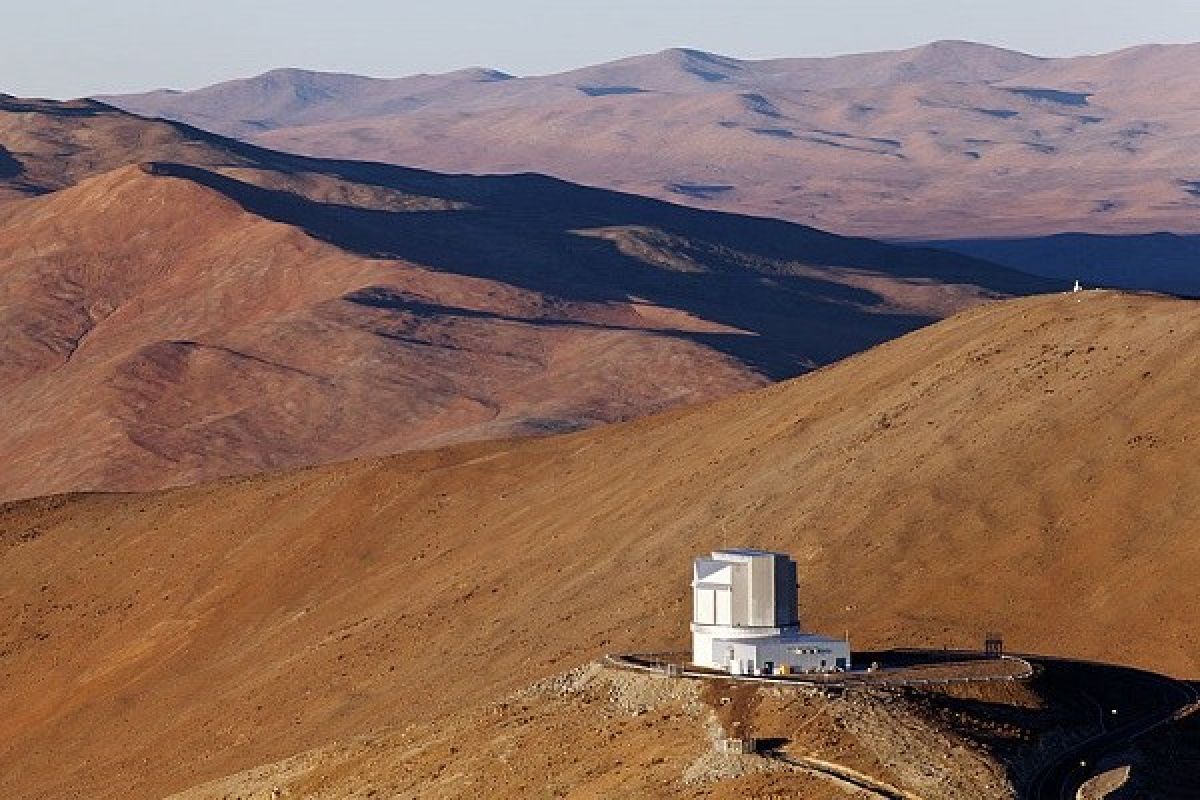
[(178, 306), (349, 423), (972, 147)]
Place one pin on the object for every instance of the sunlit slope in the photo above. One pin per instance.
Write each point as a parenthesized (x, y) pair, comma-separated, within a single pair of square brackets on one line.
[(1027, 467)]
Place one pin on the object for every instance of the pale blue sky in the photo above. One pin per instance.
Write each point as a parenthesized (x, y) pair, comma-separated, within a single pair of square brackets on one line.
[(67, 48)]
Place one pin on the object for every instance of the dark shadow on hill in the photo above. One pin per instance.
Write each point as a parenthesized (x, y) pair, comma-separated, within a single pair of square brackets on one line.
[(73, 108), (1160, 262), (794, 296), (1166, 763), (525, 231), (999, 113), (777, 133), (581, 206), (1056, 96), (9, 166), (1079, 704), (572, 206), (610, 91), (760, 104), (700, 191)]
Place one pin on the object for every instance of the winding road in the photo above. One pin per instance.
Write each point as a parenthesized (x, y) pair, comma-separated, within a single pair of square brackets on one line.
[(1128, 703), (1162, 700)]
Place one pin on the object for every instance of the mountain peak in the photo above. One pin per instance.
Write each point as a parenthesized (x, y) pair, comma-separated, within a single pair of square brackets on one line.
[(481, 74), (966, 46), (957, 61), (709, 67)]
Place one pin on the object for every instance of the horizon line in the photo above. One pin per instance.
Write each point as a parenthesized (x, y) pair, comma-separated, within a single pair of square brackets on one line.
[(511, 75)]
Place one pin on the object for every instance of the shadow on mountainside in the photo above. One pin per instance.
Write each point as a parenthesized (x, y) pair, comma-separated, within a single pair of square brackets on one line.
[(529, 231), (1163, 262), (9, 166), (1073, 720), (551, 201)]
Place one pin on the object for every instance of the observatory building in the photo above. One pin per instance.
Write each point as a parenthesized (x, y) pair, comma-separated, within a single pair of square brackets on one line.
[(744, 618)]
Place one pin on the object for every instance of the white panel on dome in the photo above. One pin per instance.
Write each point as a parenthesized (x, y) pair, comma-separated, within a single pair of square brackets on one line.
[(724, 608), (706, 605), (713, 573)]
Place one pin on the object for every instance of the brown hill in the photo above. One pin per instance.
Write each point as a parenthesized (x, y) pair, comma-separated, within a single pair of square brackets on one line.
[(46, 145), (597, 732), (222, 309), (950, 141), (225, 343), (1026, 466)]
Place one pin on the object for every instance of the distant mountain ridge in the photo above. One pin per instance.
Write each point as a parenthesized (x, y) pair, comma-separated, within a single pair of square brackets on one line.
[(947, 141), (285, 97), (290, 97)]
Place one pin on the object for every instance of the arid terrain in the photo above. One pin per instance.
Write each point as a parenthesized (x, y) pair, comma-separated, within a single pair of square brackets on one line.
[(1026, 466), (179, 307), (601, 732), (596, 732), (968, 145)]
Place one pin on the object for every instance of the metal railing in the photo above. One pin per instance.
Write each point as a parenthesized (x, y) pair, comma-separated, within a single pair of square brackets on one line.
[(674, 664)]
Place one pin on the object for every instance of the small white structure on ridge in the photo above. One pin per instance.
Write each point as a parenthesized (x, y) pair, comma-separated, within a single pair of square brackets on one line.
[(1078, 287), (744, 618)]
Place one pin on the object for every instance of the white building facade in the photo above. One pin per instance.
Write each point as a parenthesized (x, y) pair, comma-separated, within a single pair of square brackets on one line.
[(744, 618)]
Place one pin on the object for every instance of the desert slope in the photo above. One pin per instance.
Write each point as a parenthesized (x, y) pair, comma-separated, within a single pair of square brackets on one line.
[(602, 732), (949, 141), (225, 343), (180, 307), (1026, 466)]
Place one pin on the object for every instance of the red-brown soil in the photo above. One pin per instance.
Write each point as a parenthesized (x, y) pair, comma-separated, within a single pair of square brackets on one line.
[(1026, 466)]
